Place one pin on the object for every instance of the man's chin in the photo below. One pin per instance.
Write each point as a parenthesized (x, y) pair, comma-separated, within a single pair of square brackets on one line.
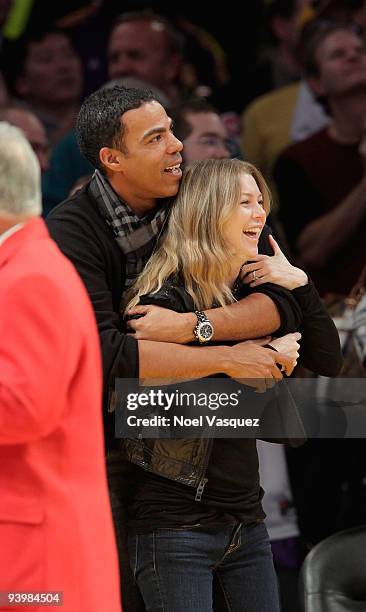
[(170, 191)]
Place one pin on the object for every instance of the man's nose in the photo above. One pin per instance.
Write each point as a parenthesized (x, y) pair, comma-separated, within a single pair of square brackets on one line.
[(221, 151), (122, 67), (174, 144)]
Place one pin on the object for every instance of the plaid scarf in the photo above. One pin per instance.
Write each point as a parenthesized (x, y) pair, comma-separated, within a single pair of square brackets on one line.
[(135, 236)]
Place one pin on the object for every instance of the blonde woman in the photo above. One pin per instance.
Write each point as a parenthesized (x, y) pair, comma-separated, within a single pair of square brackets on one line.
[(203, 527)]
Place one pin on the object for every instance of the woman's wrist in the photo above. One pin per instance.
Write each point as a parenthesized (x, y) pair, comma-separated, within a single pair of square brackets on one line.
[(298, 278)]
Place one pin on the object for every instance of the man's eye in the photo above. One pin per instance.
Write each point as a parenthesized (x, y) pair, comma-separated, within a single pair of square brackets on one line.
[(156, 138)]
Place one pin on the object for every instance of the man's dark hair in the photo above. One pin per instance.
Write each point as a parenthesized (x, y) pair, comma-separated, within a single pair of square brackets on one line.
[(100, 123), (181, 126), (314, 35)]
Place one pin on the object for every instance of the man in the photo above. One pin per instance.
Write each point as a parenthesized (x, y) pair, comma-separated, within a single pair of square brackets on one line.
[(32, 129), (146, 46), (321, 181), (45, 72), (201, 130), (109, 229), (56, 530), (141, 46)]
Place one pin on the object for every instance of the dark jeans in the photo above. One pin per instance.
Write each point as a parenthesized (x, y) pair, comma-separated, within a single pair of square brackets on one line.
[(175, 569)]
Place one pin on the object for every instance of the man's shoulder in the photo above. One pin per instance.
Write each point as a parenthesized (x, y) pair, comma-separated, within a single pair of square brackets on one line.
[(312, 146), (80, 205), (78, 218)]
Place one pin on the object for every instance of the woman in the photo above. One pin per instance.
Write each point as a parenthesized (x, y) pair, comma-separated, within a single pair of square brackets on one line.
[(201, 526)]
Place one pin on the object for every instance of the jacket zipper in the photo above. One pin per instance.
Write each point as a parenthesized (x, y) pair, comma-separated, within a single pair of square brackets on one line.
[(202, 483), (199, 490)]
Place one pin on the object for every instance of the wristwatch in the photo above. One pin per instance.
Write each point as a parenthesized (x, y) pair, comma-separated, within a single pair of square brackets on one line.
[(204, 329)]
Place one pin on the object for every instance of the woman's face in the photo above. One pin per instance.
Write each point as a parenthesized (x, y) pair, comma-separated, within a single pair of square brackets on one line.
[(243, 228)]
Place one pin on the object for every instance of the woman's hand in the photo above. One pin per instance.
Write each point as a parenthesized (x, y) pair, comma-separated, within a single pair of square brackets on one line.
[(273, 269), (288, 345)]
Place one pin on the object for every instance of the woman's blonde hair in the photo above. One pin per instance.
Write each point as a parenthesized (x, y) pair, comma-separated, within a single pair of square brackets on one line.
[(194, 248)]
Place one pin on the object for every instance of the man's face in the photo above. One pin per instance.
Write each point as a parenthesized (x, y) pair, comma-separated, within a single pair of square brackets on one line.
[(341, 60), (150, 168), (34, 132), (208, 139), (140, 49), (52, 71)]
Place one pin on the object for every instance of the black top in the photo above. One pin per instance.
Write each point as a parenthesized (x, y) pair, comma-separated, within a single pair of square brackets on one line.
[(232, 492)]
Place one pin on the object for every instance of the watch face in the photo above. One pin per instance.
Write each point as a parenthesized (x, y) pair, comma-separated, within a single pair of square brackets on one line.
[(205, 331)]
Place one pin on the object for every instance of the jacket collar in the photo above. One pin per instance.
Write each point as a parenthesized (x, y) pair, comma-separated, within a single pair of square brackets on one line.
[(34, 229)]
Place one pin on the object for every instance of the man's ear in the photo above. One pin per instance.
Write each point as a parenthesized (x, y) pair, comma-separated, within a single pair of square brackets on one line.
[(111, 159)]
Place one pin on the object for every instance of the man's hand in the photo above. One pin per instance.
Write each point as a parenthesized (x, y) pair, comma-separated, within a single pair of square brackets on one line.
[(273, 269), (288, 345), (162, 325), (255, 365)]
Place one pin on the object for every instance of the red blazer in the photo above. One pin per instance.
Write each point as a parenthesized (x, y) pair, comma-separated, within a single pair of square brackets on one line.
[(56, 530)]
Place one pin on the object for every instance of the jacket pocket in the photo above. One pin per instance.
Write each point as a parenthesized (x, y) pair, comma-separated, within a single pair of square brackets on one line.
[(23, 511), (23, 545)]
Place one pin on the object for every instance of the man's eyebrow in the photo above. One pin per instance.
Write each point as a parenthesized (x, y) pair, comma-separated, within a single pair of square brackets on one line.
[(157, 130), (213, 135)]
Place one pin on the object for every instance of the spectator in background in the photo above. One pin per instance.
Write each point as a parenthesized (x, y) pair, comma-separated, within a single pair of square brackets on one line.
[(199, 126), (147, 46), (56, 528), (321, 180), (32, 129), (45, 72), (288, 114)]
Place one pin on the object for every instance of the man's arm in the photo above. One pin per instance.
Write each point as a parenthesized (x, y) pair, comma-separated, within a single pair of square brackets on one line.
[(85, 248), (248, 360), (321, 238), (316, 238)]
